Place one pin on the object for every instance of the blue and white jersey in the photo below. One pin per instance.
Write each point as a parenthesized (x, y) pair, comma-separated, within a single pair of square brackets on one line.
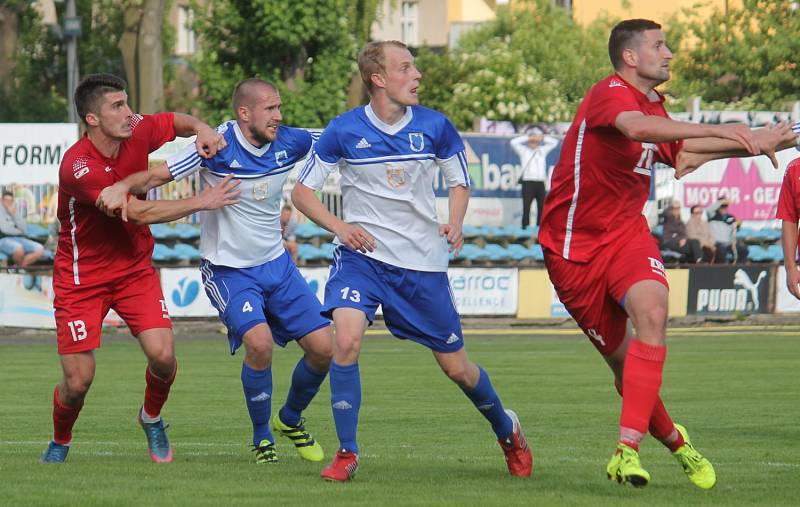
[(387, 175), (246, 234)]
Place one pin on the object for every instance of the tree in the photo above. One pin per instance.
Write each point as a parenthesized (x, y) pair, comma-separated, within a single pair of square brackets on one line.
[(748, 56), (142, 52), (306, 47), (530, 64)]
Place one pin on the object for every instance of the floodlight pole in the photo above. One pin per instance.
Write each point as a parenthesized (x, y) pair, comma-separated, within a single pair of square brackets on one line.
[(72, 60)]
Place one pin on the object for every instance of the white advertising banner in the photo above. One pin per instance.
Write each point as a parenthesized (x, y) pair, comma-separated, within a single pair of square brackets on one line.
[(784, 301), (183, 290), (26, 301), (30, 153), (186, 297), (485, 291), (477, 291)]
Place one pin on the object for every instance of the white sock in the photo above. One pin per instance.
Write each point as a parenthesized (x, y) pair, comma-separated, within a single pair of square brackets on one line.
[(147, 418)]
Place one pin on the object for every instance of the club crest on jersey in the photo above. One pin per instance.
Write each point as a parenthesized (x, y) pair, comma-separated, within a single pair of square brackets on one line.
[(260, 190), (416, 140), (395, 176), (281, 157)]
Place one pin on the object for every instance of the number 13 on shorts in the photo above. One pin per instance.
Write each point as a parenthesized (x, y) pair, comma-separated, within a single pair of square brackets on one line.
[(351, 294)]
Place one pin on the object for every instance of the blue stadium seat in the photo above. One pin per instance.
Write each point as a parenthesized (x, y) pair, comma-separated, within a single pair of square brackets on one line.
[(326, 249), (518, 252), (186, 252), (308, 252), (470, 231), (775, 252), (3, 257), (309, 230), (187, 231), (757, 253), (538, 254), (496, 252), (162, 232), (36, 232), (472, 252), (163, 253)]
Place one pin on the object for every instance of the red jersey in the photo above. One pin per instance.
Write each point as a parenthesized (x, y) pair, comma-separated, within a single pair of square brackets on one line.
[(93, 247), (602, 179), (789, 201)]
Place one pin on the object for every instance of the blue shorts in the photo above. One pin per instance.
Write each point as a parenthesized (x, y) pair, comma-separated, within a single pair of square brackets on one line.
[(417, 305), (9, 244), (274, 293)]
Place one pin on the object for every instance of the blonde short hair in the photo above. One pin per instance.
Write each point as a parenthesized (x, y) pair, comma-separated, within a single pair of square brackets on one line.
[(372, 59)]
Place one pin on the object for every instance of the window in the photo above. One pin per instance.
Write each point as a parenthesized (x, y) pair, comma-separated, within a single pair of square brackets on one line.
[(185, 33), (565, 4), (409, 23)]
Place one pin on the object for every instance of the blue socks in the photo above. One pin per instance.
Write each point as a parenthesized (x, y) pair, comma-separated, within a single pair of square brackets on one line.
[(257, 385), (346, 402), (305, 385), (485, 399)]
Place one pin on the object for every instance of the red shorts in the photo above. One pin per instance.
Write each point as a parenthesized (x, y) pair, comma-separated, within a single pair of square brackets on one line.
[(593, 292), (80, 310)]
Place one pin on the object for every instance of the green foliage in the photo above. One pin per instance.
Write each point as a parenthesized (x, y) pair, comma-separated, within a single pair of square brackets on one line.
[(748, 56), (528, 65), (307, 47), (38, 92)]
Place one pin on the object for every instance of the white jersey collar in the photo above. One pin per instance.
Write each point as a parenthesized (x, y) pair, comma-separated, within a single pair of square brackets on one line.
[(246, 144), (385, 127)]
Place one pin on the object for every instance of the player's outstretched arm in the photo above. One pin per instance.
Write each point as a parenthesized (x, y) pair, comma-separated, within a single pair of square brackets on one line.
[(222, 194), (208, 141), (789, 242), (353, 236), (770, 139), (115, 197), (637, 126), (458, 199)]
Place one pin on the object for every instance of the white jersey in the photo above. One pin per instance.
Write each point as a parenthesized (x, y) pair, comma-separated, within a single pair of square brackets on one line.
[(387, 180), (248, 233)]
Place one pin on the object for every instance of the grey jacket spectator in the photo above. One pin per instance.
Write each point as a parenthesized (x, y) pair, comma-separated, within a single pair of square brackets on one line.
[(674, 236), (13, 244), (11, 224), (723, 226)]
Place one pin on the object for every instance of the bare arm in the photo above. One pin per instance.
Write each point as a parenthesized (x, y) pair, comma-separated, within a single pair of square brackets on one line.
[(222, 194), (208, 141), (353, 236), (699, 151), (115, 197), (458, 200), (789, 243), (637, 126)]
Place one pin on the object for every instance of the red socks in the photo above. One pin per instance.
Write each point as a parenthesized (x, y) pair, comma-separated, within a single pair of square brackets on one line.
[(641, 381), (63, 419), (157, 391), (661, 426)]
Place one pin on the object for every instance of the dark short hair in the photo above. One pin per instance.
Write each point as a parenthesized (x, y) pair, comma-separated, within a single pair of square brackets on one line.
[(624, 35), (244, 88), (91, 90), (7, 193), (696, 207)]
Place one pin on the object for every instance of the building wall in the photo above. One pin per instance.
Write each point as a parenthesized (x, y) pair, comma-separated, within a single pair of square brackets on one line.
[(586, 11), (431, 22)]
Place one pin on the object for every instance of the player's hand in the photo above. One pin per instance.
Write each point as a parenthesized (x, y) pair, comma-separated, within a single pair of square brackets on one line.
[(687, 162), (793, 281), (771, 136), (114, 199), (455, 236), (356, 238), (222, 194), (741, 134), (208, 142)]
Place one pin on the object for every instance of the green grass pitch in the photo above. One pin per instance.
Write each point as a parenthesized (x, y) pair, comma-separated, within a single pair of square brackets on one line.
[(421, 440)]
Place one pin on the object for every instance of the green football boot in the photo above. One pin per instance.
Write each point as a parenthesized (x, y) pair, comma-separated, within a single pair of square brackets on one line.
[(308, 448), (625, 467), (697, 468)]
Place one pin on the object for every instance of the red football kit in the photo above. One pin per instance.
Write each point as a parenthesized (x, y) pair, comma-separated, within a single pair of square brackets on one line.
[(596, 241), (789, 200), (103, 262)]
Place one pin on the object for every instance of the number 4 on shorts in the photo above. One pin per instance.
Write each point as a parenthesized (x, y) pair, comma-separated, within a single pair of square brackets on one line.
[(247, 307)]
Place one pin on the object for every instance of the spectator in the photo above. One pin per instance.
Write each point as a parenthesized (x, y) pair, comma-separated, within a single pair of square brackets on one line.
[(288, 225), (22, 251), (697, 228), (675, 237), (723, 228), (532, 149)]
